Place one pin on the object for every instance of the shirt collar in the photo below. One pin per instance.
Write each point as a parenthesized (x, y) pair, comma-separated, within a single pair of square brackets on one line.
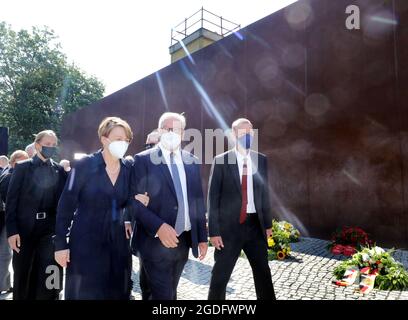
[(37, 161), (240, 156), (166, 152)]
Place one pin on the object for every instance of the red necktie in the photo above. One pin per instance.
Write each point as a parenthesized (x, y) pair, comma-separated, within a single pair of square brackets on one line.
[(243, 214)]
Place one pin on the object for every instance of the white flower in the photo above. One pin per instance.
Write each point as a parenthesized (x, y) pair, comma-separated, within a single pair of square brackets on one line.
[(378, 250), (365, 257)]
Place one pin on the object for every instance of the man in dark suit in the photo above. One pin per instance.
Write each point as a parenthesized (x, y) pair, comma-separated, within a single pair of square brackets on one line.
[(176, 222), (32, 198), (4, 163), (152, 140), (240, 214), (5, 251)]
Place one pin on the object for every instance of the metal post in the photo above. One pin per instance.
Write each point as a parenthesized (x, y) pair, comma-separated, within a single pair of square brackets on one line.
[(202, 17), (221, 28), (185, 27)]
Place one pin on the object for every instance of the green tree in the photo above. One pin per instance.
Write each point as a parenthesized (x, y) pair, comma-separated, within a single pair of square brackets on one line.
[(37, 84)]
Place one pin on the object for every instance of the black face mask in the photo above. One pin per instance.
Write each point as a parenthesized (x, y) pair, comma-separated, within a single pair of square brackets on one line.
[(48, 152), (149, 146)]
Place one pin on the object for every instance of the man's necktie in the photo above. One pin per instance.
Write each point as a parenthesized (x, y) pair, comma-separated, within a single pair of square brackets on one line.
[(180, 221), (244, 187)]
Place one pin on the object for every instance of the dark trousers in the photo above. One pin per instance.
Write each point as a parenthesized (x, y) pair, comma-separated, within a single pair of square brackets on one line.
[(31, 277), (143, 282), (252, 241), (164, 271)]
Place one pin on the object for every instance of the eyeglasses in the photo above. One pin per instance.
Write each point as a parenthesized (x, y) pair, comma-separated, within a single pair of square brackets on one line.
[(175, 130)]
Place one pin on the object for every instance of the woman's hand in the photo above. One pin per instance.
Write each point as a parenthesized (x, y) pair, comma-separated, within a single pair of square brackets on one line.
[(202, 247), (15, 242), (128, 229), (143, 198), (62, 257)]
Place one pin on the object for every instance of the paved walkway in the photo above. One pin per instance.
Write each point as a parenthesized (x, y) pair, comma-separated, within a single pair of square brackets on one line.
[(307, 274)]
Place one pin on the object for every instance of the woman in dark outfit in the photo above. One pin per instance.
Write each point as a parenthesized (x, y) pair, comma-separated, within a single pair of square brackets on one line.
[(94, 198)]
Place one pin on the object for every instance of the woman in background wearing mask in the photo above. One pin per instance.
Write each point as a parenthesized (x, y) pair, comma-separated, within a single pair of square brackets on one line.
[(96, 253), (31, 204)]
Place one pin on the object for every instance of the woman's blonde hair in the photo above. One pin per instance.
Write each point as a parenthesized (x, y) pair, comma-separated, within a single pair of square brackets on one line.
[(42, 134), (108, 124)]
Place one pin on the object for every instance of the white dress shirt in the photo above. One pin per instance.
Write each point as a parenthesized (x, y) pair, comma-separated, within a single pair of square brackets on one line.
[(182, 173), (250, 180)]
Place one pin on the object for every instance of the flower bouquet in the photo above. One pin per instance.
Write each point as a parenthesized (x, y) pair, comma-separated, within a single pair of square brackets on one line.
[(283, 233), (377, 268), (348, 240), (290, 231), (279, 249)]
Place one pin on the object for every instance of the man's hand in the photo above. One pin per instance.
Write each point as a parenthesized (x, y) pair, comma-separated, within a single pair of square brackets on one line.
[(202, 248), (15, 242), (143, 198), (167, 236), (62, 257), (128, 229), (217, 242), (269, 233)]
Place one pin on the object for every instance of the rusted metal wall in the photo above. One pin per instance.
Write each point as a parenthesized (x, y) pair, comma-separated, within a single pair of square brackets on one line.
[(330, 104)]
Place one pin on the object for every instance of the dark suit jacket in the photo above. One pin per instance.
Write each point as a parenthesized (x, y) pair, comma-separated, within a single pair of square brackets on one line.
[(23, 201), (155, 179), (224, 195), (4, 182)]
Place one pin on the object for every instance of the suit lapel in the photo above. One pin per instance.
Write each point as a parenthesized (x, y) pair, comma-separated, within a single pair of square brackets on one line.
[(188, 169), (255, 173), (256, 179), (233, 166), (165, 170)]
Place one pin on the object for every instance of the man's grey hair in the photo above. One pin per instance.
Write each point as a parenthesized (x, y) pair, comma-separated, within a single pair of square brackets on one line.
[(30, 147), (238, 122), (172, 115), (4, 159)]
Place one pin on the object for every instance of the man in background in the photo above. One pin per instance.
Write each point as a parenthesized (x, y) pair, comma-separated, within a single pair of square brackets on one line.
[(153, 138), (5, 251), (4, 162), (30, 149)]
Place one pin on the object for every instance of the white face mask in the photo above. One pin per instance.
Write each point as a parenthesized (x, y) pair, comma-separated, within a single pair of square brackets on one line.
[(170, 140), (118, 148)]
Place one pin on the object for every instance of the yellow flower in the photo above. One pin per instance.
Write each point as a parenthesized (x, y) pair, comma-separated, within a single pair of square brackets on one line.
[(281, 255), (271, 243)]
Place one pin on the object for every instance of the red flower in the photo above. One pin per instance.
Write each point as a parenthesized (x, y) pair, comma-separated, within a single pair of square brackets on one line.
[(337, 249), (350, 235), (349, 250)]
